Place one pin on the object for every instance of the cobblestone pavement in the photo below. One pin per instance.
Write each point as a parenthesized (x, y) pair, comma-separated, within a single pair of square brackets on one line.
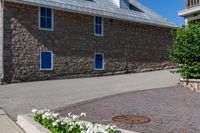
[(171, 110)]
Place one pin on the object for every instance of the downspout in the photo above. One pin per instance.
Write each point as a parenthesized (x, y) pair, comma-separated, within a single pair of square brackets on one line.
[(1, 41)]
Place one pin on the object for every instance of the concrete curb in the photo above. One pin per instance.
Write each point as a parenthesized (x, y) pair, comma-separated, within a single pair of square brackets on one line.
[(30, 126), (7, 125), (190, 80), (2, 112)]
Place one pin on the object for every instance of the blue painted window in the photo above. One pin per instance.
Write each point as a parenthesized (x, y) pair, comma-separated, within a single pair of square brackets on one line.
[(46, 18), (98, 26), (46, 60), (99, 61)]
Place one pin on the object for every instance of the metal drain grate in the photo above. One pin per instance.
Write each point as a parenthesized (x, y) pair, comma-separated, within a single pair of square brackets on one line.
[(131, 119)]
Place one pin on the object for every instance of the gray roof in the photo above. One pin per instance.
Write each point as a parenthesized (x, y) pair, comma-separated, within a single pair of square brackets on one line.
[(105, 8)]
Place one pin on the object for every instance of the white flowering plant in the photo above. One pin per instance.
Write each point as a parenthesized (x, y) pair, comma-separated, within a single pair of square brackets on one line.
[(70, 124)]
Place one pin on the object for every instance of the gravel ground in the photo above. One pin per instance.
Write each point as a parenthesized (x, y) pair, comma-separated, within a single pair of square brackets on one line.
[(171, 110)]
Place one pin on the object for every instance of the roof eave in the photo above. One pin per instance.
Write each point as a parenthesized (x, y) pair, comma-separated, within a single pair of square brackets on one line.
[(189, 11), (92, 14)]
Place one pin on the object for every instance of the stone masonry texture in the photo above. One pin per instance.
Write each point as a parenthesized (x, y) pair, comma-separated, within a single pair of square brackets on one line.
[(127, 46), (192, 84)]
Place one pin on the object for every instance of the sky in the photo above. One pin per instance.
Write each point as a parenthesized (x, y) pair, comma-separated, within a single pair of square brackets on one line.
[(166, 8)]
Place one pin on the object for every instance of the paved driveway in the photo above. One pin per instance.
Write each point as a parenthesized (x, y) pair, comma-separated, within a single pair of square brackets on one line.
[(171, 110), (22, 97)]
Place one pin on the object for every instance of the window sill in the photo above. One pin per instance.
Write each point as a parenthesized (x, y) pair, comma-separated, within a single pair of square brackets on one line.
[(51, 69), (98, 35), (99, 69), (46, 29)]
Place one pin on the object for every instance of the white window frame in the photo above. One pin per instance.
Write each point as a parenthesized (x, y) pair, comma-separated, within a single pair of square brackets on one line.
[(102, 26), (103, 62), (52, 19), (52, 62)]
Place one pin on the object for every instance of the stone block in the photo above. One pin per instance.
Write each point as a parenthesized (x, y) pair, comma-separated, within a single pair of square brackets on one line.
[(192, 84)]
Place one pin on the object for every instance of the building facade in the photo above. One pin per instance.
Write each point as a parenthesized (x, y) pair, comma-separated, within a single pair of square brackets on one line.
[(192, 11), (43, 41)]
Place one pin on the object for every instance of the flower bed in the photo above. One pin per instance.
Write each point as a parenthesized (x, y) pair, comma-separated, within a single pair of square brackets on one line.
[(70, 124)]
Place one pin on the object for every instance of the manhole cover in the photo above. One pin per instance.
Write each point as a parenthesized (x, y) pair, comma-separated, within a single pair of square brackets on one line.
[(131, 119)]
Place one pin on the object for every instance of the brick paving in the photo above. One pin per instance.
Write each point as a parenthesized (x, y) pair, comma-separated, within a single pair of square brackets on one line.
[(171, 110)]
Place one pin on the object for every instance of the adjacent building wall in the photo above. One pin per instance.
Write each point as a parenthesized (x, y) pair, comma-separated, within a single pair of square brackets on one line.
[(191, 3), (191, 12), (127, 47), (1, 40)]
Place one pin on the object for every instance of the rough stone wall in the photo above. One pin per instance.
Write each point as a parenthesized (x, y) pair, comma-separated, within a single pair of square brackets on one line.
[(127, 47), (192, 84)]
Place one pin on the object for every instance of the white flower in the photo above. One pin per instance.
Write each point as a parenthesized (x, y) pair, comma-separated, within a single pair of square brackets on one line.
[(58, 120), (62, 123), (83, 131), (83, 114), (48, 115), (73, 121), (54, 124), (111, 126), (55, 115), (40, 112), (95, 128), (71, 127), (69, 114), (34, 110), (46, 110), (66, 120), (89, 125), (44, 116), (75, 117)]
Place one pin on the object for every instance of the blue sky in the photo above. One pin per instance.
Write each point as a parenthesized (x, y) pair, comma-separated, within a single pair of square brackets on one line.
[(166, 8)]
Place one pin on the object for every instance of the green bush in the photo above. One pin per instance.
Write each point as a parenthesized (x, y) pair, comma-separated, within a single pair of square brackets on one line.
[(186, 50)]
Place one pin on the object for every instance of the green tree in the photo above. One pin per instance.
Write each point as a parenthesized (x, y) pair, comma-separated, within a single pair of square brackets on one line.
[(186, 50)]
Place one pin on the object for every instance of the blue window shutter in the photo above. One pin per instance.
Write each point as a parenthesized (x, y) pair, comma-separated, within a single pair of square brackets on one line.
[(98, 61), (46, 60)]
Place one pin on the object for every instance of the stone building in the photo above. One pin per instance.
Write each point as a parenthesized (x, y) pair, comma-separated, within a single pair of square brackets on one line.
[(54, 39), (192, 11)]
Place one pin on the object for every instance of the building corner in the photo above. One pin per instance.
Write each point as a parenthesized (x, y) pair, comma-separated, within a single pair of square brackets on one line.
[(1, 41)]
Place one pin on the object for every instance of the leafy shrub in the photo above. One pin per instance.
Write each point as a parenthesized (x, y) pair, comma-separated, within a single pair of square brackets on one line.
[(70, 124), (186, 50)]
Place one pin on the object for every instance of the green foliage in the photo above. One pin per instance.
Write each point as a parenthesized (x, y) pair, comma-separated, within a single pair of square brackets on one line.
[(59, 127), (70, 124), (186, 50)]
